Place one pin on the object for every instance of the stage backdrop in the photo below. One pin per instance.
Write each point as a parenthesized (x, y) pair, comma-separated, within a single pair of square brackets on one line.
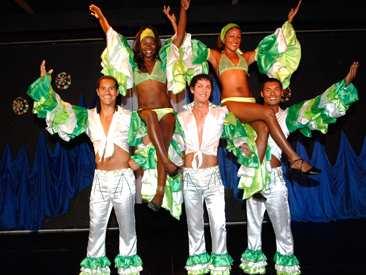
[(45, 183)]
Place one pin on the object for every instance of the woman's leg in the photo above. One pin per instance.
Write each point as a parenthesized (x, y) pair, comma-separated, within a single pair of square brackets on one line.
[(249, 112), (262, 137), (156, 135), (166, 126)]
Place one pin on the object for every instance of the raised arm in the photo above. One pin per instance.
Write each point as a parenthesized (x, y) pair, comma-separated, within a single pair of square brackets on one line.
[(67, 120), (182, 24), (351, 75), (97, 13), (292, 13), (171, 17), (318, 112)]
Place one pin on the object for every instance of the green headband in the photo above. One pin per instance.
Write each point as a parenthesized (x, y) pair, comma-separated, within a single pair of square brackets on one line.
[(226, 28)]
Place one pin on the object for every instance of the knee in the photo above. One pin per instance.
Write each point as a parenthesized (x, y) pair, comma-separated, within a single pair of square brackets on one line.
[(269, 114)]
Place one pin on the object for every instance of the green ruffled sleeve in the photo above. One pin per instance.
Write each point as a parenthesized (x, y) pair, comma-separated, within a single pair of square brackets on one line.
[(254, 176), (117, 60), (67, 120), (278, 55), (317, 113), (183, 63)]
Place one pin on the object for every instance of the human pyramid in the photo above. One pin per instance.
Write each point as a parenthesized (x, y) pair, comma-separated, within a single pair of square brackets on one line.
[(177, 151)]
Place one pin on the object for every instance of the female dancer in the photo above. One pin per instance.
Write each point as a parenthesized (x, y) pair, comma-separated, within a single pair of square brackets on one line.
[(231, 66), (143, 69)]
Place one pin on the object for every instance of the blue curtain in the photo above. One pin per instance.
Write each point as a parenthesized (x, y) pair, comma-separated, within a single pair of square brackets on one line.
[(30, 193)]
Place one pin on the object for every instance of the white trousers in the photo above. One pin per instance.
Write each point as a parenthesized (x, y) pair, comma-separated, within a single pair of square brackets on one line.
[(115, 189), (204, 185), (279, 214)]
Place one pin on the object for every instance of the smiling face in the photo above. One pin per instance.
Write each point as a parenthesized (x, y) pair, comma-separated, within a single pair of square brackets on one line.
[(201, 91), (233, 39), (107, 92), (148, 47), (272, 93)]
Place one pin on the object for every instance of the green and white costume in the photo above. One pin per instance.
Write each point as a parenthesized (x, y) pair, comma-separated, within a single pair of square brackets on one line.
[(313, 114), (277, 55), (118, 61), (110, 189)]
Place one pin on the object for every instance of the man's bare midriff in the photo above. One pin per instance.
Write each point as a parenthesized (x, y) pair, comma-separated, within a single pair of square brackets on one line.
[(119, 160), (207, 160)]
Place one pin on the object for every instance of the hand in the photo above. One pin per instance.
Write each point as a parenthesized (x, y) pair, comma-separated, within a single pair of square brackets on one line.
[(133, 165), (351, 73), (95, 11), (42, 69), (293, 12), (171, 17), (245, 149), (185, 4)]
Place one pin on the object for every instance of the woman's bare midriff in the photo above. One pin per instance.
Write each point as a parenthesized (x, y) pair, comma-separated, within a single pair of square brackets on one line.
[(119, 160), (152, 94), (234, 83), (207, 161)]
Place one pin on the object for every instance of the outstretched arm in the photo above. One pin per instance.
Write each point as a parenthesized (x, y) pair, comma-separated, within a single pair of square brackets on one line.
[(318, 112), (97, 13), (67, 120), (351, 75), (292, 13)]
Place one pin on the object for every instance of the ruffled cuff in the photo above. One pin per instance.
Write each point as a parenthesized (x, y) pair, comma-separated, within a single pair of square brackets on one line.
[(185, 62), (286, 264), (128, 265), (43, 95), (220, 264), (95, 266), (278, 55), (198, 264), (317, 113), (253, 262), (117, 60)]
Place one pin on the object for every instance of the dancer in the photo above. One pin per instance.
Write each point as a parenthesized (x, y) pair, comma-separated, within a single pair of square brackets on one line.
[(277, 55), (202, 125), (143, 69), (313, 114), (113, 186)]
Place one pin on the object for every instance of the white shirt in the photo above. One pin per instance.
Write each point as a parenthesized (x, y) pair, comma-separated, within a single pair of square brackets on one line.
[(117, 134), (281, 116), (211, 132)]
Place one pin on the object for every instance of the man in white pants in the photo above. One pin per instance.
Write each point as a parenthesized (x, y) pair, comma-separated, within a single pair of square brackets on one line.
[(313, 114), (113, 186), (202, 125)]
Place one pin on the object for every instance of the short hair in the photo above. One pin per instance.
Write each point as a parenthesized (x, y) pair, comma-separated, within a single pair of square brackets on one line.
[(270, 79), (198, 77), (109, 78)]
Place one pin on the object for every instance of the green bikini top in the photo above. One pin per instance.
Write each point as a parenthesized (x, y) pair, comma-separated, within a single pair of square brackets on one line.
[(157, 74), (226, 64)]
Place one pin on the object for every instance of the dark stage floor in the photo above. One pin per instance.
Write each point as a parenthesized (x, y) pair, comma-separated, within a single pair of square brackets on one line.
[(322, 248)]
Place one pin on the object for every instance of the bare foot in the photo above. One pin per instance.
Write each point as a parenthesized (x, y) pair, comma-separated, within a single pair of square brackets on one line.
[(304, 167), (157, 200)]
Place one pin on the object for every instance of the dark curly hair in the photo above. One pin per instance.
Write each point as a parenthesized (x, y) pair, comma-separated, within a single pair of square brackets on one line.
[(138, 56)]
